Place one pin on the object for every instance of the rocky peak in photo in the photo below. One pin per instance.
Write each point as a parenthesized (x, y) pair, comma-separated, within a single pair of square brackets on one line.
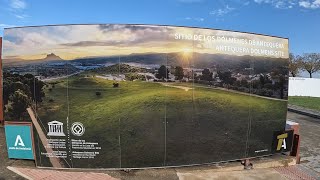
[(51, 57)]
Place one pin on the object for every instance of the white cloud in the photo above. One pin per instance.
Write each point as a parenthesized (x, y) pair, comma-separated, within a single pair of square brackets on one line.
[(21, 16), (80, 38), (18, 4), (194, 19), (6, 25), (310, 4), (280, 4), (17, 8), (288, 4), (304, 4), (222, 11)]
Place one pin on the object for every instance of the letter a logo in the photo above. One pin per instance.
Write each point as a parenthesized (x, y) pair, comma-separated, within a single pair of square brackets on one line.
[(284, 145), (282, 141), (19, 141)]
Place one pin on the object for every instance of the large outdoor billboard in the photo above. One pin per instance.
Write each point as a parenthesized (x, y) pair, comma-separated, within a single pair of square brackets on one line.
[(134, 96)]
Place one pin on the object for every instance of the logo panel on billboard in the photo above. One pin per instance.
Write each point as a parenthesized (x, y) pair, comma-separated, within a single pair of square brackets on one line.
[(19, 141), (282, 141)]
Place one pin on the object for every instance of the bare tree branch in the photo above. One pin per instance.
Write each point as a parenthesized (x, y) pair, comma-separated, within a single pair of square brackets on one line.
[(310, 62)]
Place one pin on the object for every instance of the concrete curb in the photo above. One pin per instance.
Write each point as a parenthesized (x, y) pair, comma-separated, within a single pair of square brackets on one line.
[(273, 161), (304, 111)]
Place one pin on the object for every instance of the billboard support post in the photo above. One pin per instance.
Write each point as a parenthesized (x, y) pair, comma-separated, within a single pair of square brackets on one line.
[(1, 98), (295, 151)]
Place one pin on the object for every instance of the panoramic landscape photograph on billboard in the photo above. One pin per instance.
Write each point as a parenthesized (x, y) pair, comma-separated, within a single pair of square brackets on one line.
[(134, 96)]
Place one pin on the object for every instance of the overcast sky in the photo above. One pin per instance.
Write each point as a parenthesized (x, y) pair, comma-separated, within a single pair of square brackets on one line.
[(78, 41), (296, 19)]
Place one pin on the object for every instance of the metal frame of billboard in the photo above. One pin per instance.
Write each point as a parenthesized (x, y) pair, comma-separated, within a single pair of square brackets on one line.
[(1, 86)]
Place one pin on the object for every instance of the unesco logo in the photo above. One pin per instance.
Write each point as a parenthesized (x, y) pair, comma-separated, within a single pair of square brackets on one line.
[(77, 129)]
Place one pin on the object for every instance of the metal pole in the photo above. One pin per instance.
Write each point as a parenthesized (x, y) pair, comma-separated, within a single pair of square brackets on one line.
[(1, 86)]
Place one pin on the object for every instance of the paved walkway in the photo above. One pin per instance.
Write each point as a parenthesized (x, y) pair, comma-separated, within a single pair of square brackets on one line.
[(35, 174), (297, 172), (304, 111), (310, 140), (290, 173)]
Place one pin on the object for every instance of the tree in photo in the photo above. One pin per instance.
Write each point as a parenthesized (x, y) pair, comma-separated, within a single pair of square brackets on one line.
[(163, 72), (19, 91), (244, 83), (12, 84), (19, 103), (279, 80), (178, 73), (36, 87), (294, 65), (263, 79), (226, 77), (310, 62), (207, 75)]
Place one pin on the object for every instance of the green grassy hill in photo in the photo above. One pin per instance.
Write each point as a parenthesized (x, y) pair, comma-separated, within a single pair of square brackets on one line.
[(199, 120)]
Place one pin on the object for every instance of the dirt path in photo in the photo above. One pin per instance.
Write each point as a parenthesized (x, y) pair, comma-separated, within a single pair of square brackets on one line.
[(179, 87), (54, 161), (239, 92), (60, 77), (222, 89)]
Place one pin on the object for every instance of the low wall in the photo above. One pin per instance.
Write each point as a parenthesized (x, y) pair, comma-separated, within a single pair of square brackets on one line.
[(299, 86)]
